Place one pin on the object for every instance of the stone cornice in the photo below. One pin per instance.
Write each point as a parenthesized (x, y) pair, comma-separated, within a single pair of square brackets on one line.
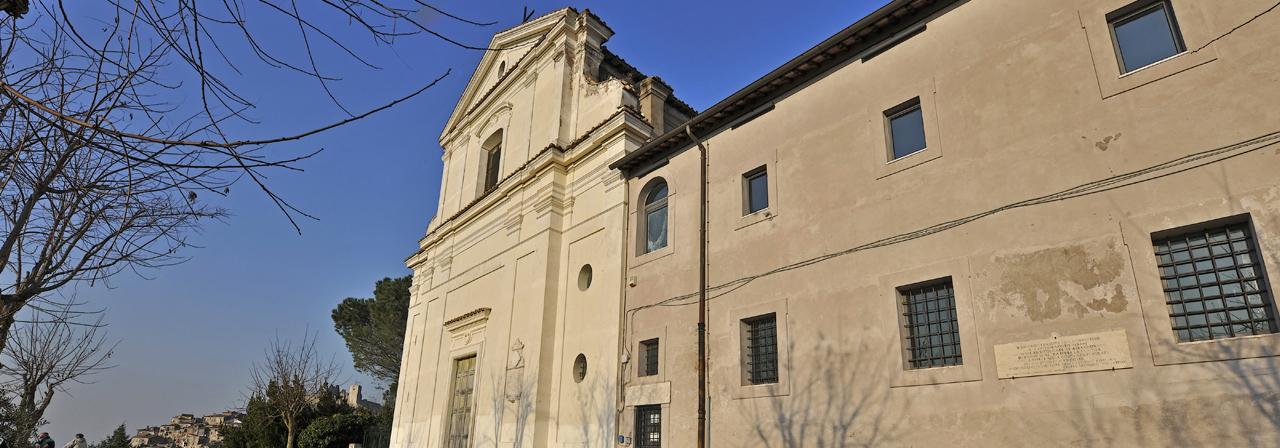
[(625, 119), (476, 316)]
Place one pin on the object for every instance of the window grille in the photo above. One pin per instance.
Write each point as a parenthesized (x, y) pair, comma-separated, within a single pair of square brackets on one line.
[(1214, 285), (932, 330), (648, 427), (762, 349), (649, 357)]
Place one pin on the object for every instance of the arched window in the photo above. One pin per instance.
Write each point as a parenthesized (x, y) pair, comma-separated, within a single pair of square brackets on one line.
[(492, 163), (653, 212), (502, 68)]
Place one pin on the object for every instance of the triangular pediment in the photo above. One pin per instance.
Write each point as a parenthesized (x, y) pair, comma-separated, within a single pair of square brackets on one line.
[(509, 51)]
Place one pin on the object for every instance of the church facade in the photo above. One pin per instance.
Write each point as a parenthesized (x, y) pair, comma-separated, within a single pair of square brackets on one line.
[(513, 333), (960, 223)]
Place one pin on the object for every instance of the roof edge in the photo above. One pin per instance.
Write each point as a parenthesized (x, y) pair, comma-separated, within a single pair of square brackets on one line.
[(866, 33)]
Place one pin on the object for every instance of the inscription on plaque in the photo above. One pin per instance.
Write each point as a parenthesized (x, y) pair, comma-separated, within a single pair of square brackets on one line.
[(1065, 354)]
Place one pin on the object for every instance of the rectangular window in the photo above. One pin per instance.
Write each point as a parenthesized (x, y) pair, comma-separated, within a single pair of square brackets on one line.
[(760, 347), (460, 402), (932, 333), (1214, 285), (755, 189), (649, 426), (649, 357), (906, 129), (492, 168), (1145, 33)]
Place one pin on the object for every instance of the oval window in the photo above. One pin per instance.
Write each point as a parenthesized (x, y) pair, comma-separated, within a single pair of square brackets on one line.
[(579, 368), (584, 277)]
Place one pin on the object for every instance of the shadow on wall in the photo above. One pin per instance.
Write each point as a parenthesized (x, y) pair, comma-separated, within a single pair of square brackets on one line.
[(835, 402), (596, 402), (1240, 406), (511, 405)]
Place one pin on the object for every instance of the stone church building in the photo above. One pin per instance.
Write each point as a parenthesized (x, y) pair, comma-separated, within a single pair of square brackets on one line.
[(953, 223)]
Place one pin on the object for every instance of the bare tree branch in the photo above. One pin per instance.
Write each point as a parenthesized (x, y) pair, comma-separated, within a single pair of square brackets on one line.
[(45, 356), (292, 378)]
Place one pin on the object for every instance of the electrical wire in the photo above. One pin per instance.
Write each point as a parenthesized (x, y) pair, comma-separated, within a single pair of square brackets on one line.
[(1107, 184), (1154, 172)]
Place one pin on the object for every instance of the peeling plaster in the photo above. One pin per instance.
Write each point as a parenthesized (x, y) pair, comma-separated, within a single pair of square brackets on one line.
[(1045, 284), (1269, 205), (1105, 143)]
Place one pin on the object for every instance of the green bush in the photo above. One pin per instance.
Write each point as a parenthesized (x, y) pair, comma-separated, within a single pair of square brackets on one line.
[(335, 431)]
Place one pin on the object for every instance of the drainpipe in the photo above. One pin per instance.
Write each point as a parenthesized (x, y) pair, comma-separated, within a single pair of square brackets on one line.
[(702, 288), (624, 333)]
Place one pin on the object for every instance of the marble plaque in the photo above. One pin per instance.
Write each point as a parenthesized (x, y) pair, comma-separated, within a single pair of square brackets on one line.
[(1064, 354)]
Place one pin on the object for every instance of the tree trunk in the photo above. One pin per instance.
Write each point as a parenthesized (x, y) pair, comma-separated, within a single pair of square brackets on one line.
[(8, 314), (288, 426)]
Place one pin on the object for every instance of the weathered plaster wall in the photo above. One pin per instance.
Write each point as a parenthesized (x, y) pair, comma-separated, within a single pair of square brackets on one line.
[(1029, 123)]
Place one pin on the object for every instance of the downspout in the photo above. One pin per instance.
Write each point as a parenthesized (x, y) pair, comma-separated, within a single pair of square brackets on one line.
[(702, 288), (623, 345)]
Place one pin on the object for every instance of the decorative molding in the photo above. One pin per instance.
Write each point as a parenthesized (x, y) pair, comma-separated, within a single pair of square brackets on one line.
[(545, 26), (468, 328), (632, 122), (610, 178), (553, 200), (516, 359), (500, 112), (422, 280), (512, 223), (477, 315)]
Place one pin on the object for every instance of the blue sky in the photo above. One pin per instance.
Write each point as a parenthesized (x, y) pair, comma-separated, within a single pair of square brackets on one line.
[(190, 333)]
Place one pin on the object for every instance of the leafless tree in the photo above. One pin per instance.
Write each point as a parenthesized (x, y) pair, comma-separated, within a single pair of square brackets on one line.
[(103, 169), (44, 356), (293, 378)]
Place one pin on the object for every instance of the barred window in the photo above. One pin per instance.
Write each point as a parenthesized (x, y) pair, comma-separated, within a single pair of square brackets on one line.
[(648, 426), (1214, 285), (760, 349), (932, 336), (649, 357)]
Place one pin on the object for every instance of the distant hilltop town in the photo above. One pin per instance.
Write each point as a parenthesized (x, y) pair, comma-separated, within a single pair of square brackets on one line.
[(354, 397), (187, 431)]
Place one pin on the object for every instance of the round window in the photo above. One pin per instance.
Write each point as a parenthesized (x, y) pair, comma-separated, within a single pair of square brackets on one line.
[(584, 277), (579, 368)]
